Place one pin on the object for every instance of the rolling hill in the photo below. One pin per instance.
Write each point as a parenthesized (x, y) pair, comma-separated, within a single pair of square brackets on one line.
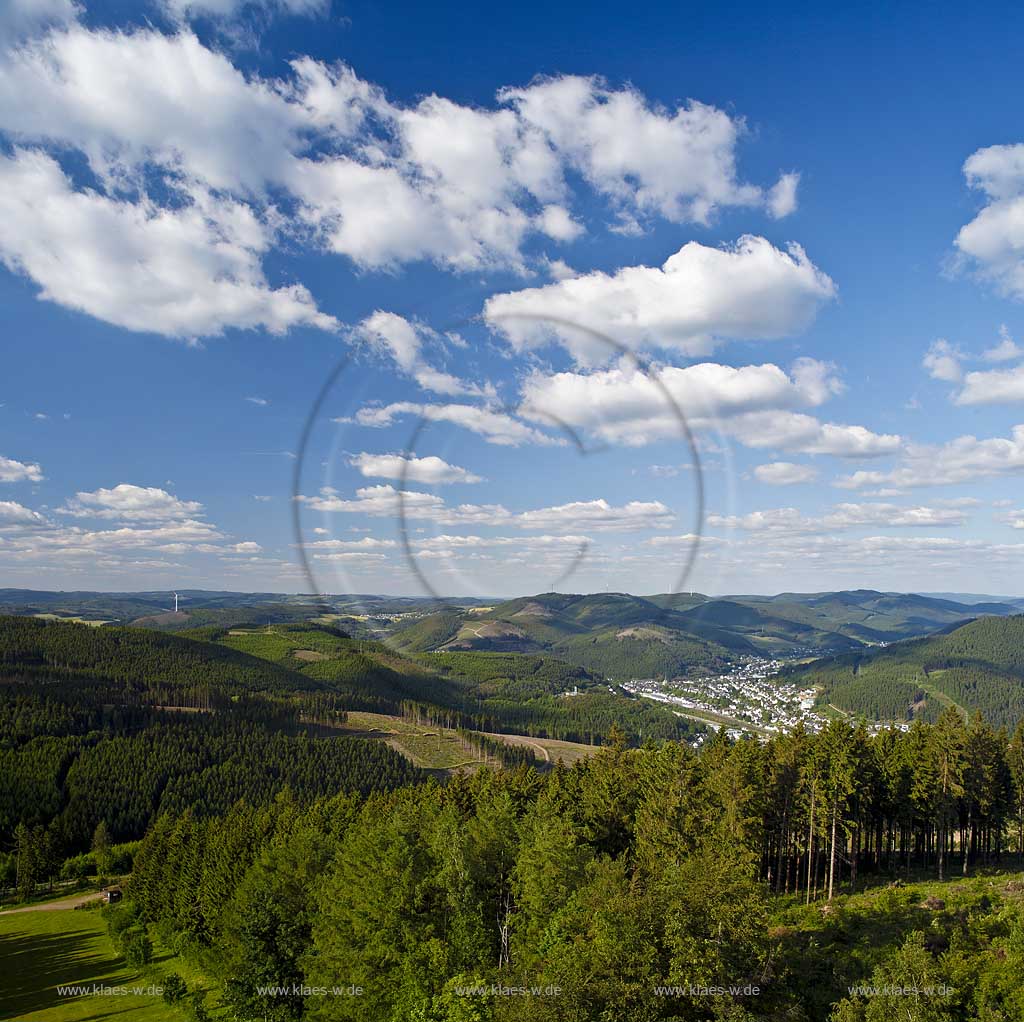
[(974, 666), (620, 636), (483, 691), (614, 635), (833, 621)]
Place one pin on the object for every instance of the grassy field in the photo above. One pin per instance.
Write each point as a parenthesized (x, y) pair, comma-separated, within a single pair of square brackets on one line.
[(549, 749), (433, 748), (40, 951), (438, 748)]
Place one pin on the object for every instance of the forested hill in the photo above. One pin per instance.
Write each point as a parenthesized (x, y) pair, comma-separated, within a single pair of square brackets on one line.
[(976, 666), (482, 691), (833, 620), (135, 657), (614, 635), (620, 636), (112, 725)]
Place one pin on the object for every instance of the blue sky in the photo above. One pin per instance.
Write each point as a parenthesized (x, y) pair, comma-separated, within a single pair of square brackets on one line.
[(803, 230)]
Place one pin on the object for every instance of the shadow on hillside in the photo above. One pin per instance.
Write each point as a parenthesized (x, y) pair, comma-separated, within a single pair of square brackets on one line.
[(34, 964)]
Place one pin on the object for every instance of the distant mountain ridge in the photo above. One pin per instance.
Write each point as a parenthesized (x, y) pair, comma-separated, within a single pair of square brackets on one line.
[(614, 635)]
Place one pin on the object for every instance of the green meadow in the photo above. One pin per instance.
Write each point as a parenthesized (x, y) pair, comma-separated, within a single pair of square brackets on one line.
[(42, 950)]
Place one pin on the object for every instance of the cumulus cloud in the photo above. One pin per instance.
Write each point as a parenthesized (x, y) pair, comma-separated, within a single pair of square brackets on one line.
[(494, 427), (841, 516), (131, 503), (996, 386), (364, 543), (961, 460), (378, 501), (784, 473), (993, 242), (679, 164), (181, 142), (402, 341), (247, 547), (753, 403), (598, 514), (699, 296), (13, 513), (430, 470), (12, 471), (979, 387), (185, 272), (942, 361), (1006, 350), (782, 197)]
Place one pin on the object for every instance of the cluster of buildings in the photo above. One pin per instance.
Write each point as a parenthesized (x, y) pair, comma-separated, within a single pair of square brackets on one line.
[(751, 698), (749, 694)]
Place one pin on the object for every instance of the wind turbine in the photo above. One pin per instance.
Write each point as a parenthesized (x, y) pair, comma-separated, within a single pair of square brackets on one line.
[(175, 603)]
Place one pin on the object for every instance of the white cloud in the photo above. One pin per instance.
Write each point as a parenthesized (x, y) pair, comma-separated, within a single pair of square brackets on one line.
[(261, 401), (186, 272), (402, 340), (996, 386), (247, 547), (784, 473), (130, 100), (961, 460), (685, 540), (1015, 519), (379, 501), (365, 543), (804, 434), (841, 516), (12, 471), (993, 242), (1006, 350), (430, 470), (13, 513), (753, 403), (74, 542), (782, 197), (991, 386), (701, 295), (19, 18), (679, 164), (942, 361), (599, 514), (379, 182), (131, 503), (183, 10), (557, 223), (543, 542), (495, 427)]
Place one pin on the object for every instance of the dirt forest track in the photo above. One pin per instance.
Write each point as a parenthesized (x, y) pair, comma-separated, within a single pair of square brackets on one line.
[(58, 905)]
